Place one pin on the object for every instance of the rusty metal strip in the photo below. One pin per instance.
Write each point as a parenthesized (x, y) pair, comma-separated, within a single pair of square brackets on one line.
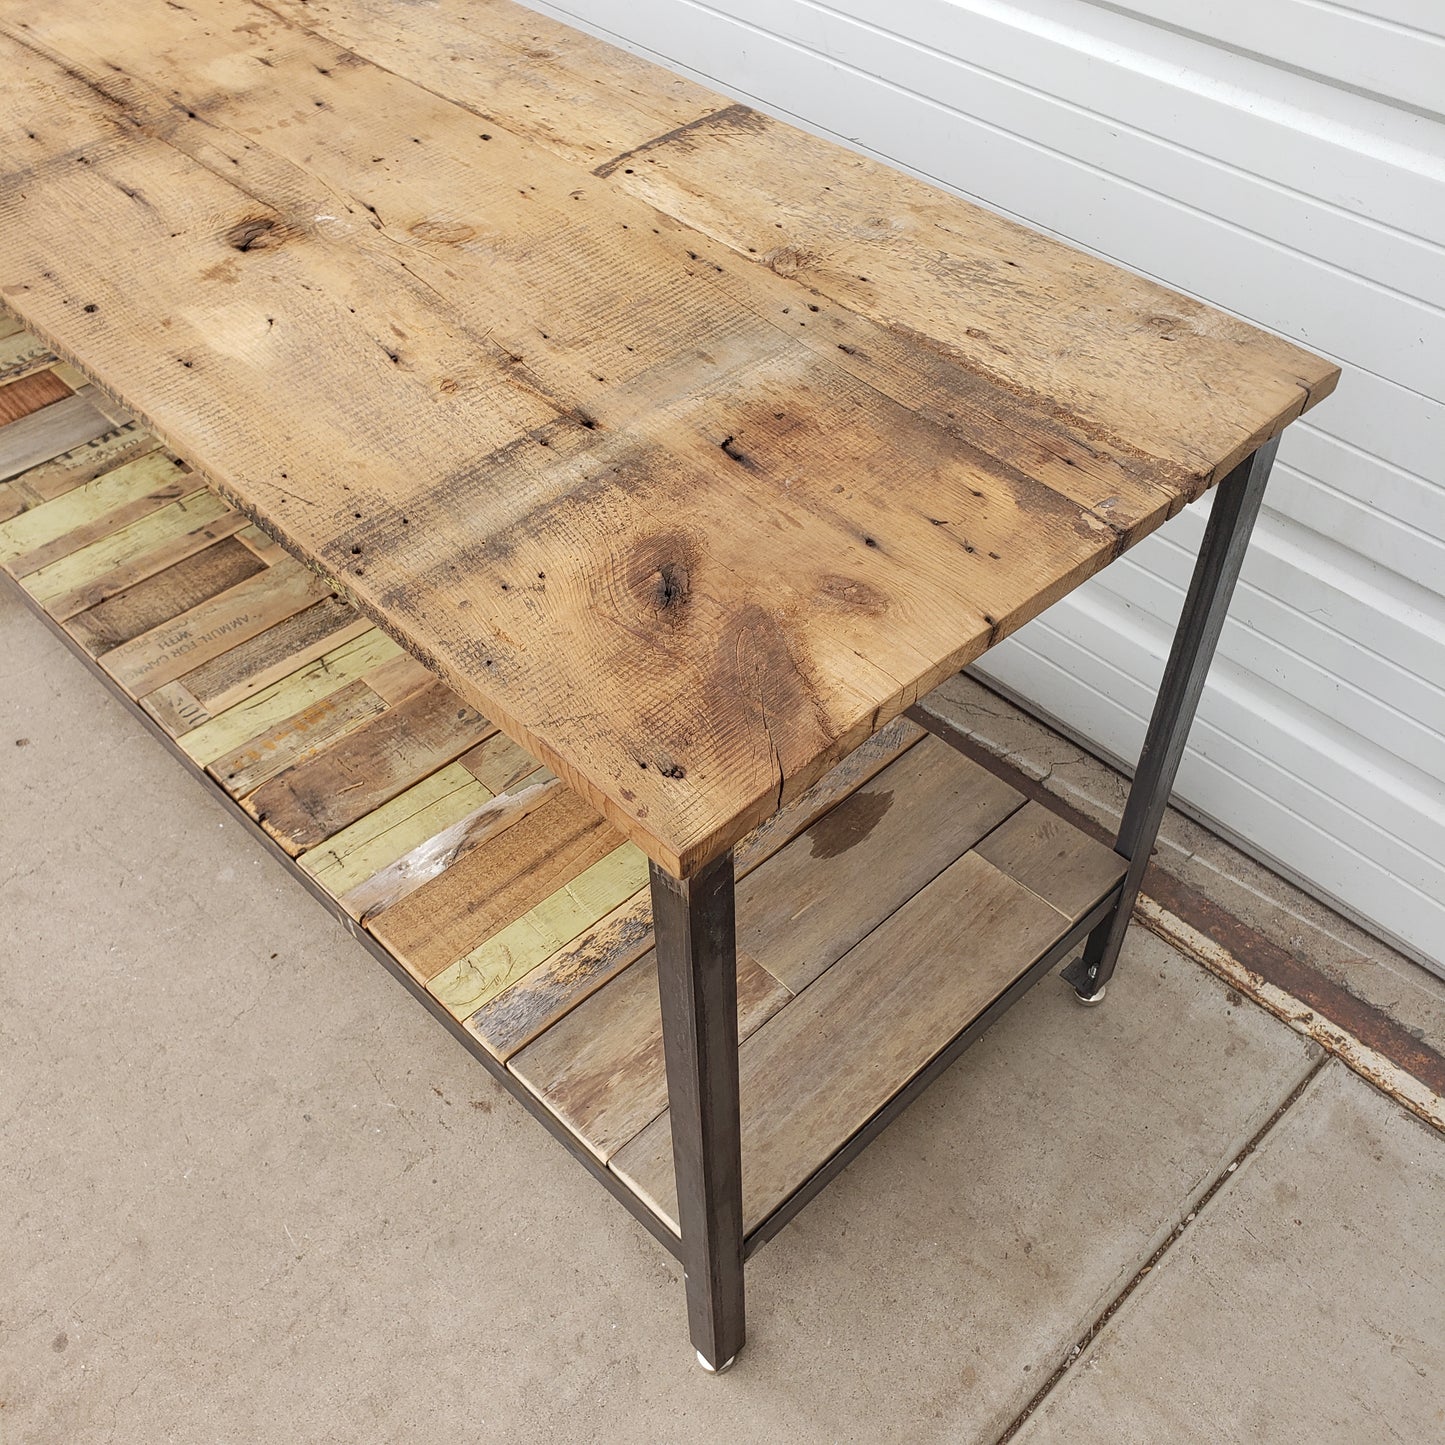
[(1365, 1038)]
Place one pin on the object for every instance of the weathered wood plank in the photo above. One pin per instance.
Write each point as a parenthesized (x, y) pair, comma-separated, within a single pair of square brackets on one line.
[(266, 547), (76, 381), (814, 1073), (833, 883), (29, 393), (481, 893), (120, 560), (548, 925), (992, 292), (175, 708), (498, 764), (166, 492), (203, 633), (310, 716), (356, 774), (253, 719), (60, 427), (433, 857), (521, 1012), (247, 668), (90, 563), (797, 913), (167, 594), (526, 1009), (53, 530), (50, 479), (689, 527), (400, 678), (1065, 867), (589, 101), (358, 852), (601, 1069), (12, 501)]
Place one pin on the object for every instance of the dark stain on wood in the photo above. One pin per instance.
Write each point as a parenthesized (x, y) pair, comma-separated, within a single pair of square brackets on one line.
[(849, 824), (683, 137)]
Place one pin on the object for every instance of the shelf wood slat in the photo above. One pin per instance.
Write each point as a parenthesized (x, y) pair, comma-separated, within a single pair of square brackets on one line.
[(206, 631), (434, 929), (158, 599), (368, 767), (814, 1074), (600, 1068), (1062, 865), (816, 898)]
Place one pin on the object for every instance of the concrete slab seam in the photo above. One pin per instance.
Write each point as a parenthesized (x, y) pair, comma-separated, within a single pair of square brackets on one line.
[(1081, 1345)]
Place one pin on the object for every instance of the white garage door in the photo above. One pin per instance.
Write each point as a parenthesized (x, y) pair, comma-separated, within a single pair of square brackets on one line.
[(1284, 159)]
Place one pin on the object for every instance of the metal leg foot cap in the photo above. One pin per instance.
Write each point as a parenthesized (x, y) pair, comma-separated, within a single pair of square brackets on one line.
[(1092, 1000), (721, 1369)]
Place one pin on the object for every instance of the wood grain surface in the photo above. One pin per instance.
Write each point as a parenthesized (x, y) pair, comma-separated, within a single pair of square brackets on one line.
[(689, 501), (529, 1005), (816, 1072), (879, 910)]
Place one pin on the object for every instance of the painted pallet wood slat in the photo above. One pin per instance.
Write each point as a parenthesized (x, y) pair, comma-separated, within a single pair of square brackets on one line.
[(361, 850), (520, 1012), (98, 506), (164, 595)]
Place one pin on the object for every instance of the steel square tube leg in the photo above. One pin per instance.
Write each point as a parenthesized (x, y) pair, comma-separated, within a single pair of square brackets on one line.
[(1236, 505), (693, 921)]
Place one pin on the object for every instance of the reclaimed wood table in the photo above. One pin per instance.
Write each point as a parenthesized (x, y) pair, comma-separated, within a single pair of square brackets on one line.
[(532, 490)]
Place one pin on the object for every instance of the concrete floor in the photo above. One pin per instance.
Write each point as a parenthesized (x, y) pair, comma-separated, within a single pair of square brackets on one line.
[(252, 1193)]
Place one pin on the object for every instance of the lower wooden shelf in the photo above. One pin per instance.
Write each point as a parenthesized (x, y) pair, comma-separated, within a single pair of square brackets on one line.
[(881, 916)]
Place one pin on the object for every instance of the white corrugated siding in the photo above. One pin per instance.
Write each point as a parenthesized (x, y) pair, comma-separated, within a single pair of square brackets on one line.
[(1286, 161)]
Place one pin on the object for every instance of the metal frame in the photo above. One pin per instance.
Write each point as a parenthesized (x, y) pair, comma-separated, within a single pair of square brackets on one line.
[(1216, 570), (694, 923)]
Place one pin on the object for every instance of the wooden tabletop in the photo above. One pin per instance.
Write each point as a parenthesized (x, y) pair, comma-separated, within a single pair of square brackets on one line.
[(687, 447)]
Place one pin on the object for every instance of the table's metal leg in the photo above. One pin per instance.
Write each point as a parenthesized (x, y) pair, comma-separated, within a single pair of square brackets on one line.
[(697, 975), (1236, 505)]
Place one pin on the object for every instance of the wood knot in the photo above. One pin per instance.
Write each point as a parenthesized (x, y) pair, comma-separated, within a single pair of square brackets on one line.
[(852, 592), (788, 260), (672, 585), (450, 233), (255, 233)]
